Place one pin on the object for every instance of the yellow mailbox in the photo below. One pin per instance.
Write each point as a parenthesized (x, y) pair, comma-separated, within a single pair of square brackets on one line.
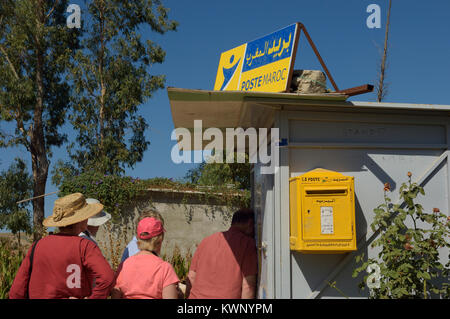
[(322, 212)]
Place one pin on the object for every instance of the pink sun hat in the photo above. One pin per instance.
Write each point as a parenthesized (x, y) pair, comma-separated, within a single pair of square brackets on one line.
[(149, 227)]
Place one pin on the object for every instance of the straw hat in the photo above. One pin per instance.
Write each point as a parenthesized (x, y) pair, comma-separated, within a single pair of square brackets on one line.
[(71, 209)]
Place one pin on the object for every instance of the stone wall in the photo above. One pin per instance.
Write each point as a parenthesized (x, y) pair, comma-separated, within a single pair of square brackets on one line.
[(187, 220)]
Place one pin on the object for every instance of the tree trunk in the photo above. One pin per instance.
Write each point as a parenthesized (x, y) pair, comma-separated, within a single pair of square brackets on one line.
[(40, 172), (38, 148)]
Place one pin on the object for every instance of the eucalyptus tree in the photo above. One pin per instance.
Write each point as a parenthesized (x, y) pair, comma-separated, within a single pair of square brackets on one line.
[(112, 79), (13, 216), (36, 48)]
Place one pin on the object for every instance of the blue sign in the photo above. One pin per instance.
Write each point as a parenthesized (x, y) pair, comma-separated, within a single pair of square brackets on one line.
[(271, 48)]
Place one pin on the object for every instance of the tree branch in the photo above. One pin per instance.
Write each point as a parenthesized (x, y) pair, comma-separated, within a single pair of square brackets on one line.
[(13, 69), (17, 113), (86, 84), (381, 86), (51, 11)]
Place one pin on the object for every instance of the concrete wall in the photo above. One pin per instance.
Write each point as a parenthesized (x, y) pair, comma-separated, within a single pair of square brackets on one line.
[(187, 220)]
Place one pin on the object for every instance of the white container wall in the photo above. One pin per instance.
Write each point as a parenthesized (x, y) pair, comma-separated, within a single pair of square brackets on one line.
[(376, 143), (373, 142)]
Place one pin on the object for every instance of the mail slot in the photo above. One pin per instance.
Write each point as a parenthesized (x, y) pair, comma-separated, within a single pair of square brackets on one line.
[(322, 212)]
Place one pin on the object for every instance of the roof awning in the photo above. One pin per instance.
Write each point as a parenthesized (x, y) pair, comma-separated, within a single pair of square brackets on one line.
[(234, 109)]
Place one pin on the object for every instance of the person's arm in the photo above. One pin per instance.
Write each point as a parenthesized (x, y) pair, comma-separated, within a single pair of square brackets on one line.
[(249, 271), (248, 287), (125, 255), (170, 292), (189, 282), (20, 284), (116, 293), (170, 282), (100, 269)]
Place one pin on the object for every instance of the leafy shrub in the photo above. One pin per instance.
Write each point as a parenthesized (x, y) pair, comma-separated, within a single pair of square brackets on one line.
[(116, 192), (11, 257), (180, 263), (13, 216), (409, 262)]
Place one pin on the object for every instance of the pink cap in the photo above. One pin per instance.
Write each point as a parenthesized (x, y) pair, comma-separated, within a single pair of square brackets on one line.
[(151, 226)]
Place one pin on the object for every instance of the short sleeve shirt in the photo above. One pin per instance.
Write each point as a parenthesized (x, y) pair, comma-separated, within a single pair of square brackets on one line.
[(144, 276), (131, 249), (220, 262), (64, 266)]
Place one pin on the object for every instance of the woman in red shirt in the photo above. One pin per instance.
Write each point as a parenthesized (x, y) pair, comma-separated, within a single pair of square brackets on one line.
[(64, 264)]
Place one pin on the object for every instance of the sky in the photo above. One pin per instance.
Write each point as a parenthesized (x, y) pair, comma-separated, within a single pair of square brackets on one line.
[(418, 58)]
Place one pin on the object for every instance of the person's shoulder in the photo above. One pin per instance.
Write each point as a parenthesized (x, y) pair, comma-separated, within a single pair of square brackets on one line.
[(166, 264), (86, 242), (135, 261), (132, 243), (168, 267), (143, 258), (130, 260), (211, 239), (243, 238), (86, 236), (214, 236), (146, 260), (249, 240), (62, 238)]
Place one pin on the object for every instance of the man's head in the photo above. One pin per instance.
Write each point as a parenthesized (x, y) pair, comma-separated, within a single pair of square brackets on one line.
[(244, 220), (74, 229)]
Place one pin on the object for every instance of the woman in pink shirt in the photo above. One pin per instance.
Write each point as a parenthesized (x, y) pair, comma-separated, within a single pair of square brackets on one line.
[(145, 275)]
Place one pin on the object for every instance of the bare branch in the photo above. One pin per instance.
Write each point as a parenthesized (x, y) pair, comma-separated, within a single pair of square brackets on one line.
[(381, 85), (13, 69), (86, 83), (51, 11)]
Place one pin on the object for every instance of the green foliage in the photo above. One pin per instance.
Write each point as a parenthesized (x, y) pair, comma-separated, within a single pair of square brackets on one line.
[(409, 260), (179, 263), (114, 192), (112, 79), (15, 184), (19, 32), (10, 259), (35, 50), (117, 192), (214, 174)]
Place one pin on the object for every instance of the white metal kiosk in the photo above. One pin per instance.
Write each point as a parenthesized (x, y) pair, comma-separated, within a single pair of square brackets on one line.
[(374, 142)]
